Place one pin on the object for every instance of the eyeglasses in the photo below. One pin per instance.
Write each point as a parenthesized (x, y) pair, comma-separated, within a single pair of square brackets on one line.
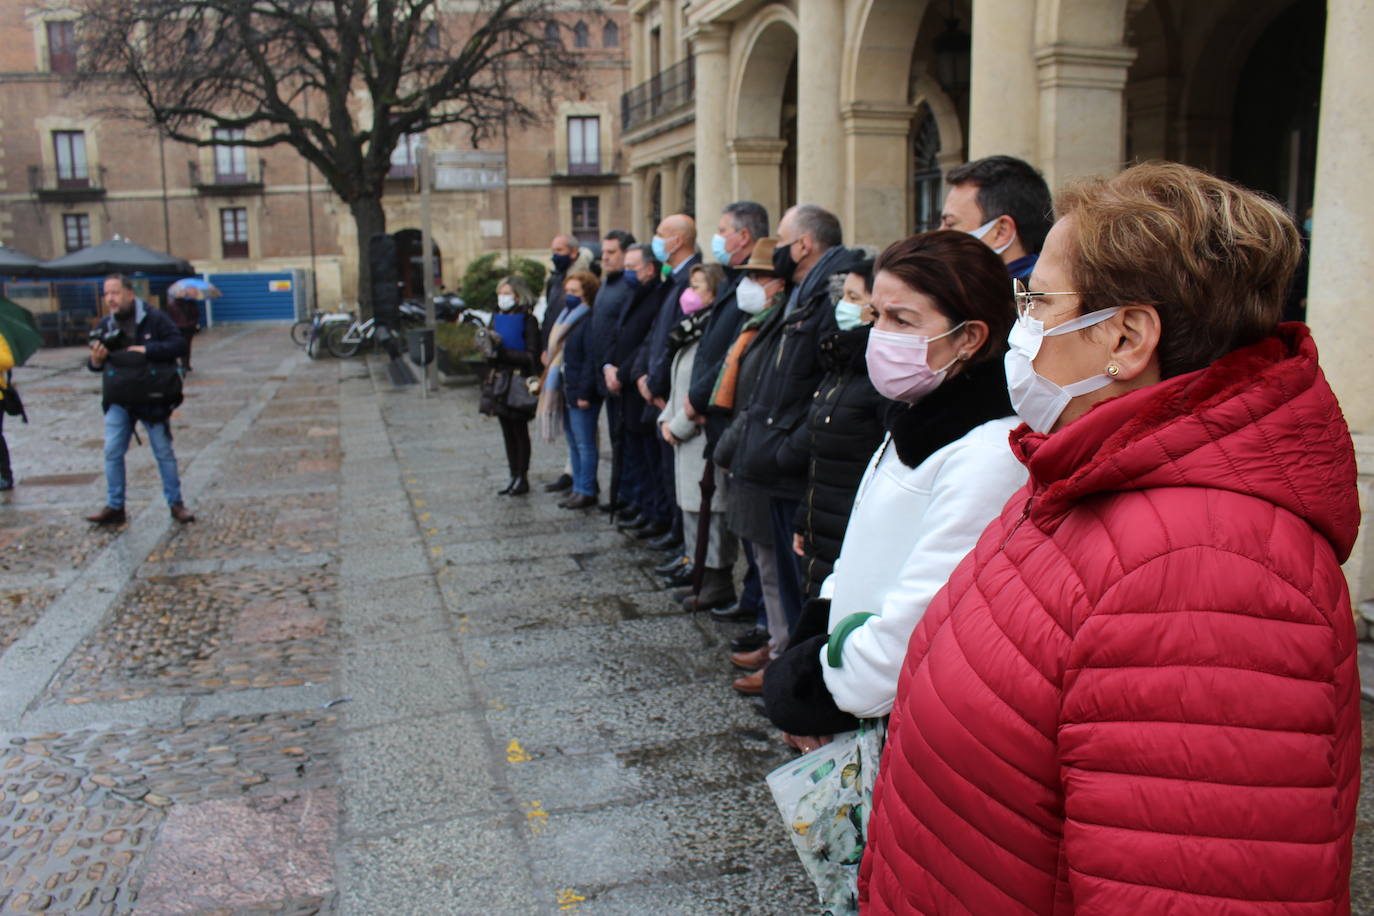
[(1026, 299)]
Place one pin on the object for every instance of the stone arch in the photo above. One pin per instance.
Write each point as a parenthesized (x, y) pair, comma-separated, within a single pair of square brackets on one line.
[(926, 89), (760, 149), (1212, 70), (877, 66), (686, 183), (767, 50)]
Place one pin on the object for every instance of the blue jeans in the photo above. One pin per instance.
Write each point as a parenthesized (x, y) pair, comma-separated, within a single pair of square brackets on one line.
[(581, 435), (119, 426)]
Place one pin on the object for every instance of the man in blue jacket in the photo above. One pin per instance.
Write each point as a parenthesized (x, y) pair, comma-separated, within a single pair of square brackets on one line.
[(136, 333)]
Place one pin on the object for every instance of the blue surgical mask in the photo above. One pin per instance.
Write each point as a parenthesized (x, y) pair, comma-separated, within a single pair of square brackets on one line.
[(660, 249), (631, 279), (718, 250), (848, 315), (571, 301), (561, 262)]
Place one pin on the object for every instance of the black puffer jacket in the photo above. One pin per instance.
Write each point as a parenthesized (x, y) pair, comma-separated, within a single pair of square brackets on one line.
[(845, 426), (773, 449)]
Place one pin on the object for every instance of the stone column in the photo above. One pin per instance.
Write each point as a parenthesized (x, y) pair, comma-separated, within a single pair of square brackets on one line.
[(639, 49), (711, 45), (639, 211), (878, 155), (820, 35), (1081, 109), (671, 188), (1004, 95), (1342, 273), (757, 164)]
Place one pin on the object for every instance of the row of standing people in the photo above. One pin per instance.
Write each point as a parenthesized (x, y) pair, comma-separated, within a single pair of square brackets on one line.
[(1117, 654)]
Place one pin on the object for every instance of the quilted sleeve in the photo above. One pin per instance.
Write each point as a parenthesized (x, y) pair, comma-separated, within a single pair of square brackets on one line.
[(969, 491), (1209, 733)]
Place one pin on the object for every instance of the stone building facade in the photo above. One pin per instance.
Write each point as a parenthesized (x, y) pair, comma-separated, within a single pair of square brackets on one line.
[(71, 177), (863, 105)]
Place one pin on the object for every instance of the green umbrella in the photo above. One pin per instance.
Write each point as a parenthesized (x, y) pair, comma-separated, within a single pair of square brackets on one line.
[(23, 340), (16, 311)]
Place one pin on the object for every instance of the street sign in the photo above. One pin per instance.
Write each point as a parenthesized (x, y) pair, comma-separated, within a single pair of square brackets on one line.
[(468, 170)]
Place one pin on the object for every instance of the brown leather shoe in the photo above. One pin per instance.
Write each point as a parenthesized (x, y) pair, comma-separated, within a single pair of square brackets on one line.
[(750, 684), (108, 516), (181, 513), (750, 661)]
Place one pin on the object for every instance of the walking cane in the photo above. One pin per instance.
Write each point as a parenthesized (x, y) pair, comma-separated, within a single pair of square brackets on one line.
[(708, 490)]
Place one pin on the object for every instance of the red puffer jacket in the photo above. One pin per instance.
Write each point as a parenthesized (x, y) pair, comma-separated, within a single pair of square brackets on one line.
[(1138, 694)]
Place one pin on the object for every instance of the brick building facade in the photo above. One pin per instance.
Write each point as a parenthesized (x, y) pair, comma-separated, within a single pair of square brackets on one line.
[(71, 176)]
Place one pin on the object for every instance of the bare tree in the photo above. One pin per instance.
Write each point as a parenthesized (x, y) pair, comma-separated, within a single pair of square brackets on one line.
[(341, 81)]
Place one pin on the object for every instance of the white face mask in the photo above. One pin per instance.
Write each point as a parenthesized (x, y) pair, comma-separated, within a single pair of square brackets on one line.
[(987, 227), (750, 297), (1037, 400), (505, 303)]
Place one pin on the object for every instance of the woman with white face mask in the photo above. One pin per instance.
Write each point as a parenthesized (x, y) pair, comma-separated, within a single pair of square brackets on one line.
[(515, 361), (1139, 693), (941, 474)]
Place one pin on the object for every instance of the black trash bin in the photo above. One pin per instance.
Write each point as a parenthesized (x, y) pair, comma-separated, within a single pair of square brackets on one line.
[(421, 346)]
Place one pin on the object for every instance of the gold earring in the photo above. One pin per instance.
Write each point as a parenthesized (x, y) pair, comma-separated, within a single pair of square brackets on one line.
[(1113, 370)]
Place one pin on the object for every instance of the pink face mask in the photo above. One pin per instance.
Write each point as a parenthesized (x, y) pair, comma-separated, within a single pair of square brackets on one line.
[(690, 301), (897, 364)]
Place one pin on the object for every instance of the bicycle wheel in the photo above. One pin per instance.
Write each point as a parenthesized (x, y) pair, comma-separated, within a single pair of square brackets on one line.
[(340, 342), (313, 344), (300, 332)]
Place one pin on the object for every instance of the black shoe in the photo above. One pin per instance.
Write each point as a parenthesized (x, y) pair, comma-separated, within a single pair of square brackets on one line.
[(669, 565), (579, 501), (632, 522), (564, 482), (680, 577), (652, 530), (618, 506), (519, 487), (751, 640), (667, 542), (733, 613), (505, 491)]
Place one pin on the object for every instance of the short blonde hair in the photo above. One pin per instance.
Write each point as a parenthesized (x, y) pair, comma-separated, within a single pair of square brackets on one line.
[(1214, 259)]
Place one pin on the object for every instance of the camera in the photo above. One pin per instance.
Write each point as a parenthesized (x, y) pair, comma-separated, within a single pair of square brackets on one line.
[(112, 339)]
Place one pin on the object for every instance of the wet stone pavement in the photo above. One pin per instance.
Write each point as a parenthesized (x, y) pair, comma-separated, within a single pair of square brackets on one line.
[(360, 683)]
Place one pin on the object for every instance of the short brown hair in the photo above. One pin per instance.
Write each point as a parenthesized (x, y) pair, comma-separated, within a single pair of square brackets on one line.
[(962, 276), (1215, 260), (590, 284), (714, 273)]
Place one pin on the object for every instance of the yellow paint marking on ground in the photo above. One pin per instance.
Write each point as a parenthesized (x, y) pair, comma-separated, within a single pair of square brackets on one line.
[(515, 753), (536, 817), (568, 898)]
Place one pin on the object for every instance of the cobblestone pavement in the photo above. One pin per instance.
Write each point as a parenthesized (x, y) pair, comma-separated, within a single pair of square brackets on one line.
[(360, 683)]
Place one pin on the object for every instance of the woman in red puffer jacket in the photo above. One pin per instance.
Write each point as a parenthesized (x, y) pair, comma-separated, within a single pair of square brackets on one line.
[(1138, 694)]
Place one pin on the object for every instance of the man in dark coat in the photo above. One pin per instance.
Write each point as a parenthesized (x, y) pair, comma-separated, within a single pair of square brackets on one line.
[(674, 245), (1004, 202), (774, 449), (564, 252), (611, 301), (742, 224), (145, 336), (650, 512)]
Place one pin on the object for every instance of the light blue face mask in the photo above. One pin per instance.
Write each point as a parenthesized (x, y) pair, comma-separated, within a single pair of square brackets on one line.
[(660, 248), (848, 315), (718, 250)]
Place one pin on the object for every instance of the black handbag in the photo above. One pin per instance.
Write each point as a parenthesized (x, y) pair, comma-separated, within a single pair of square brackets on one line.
[(136, 382), (13, 406), (519, 397)]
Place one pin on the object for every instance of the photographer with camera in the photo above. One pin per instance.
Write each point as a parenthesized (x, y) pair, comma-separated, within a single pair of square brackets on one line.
[(135, 348)]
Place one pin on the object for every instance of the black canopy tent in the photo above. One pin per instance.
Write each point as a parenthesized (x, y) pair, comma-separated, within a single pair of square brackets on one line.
[(115, 256), (15, 263)]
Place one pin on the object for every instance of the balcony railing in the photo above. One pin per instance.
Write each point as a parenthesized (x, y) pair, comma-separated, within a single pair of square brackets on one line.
[(665, 93), (226, 185), (607, 167), (50, 184)]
